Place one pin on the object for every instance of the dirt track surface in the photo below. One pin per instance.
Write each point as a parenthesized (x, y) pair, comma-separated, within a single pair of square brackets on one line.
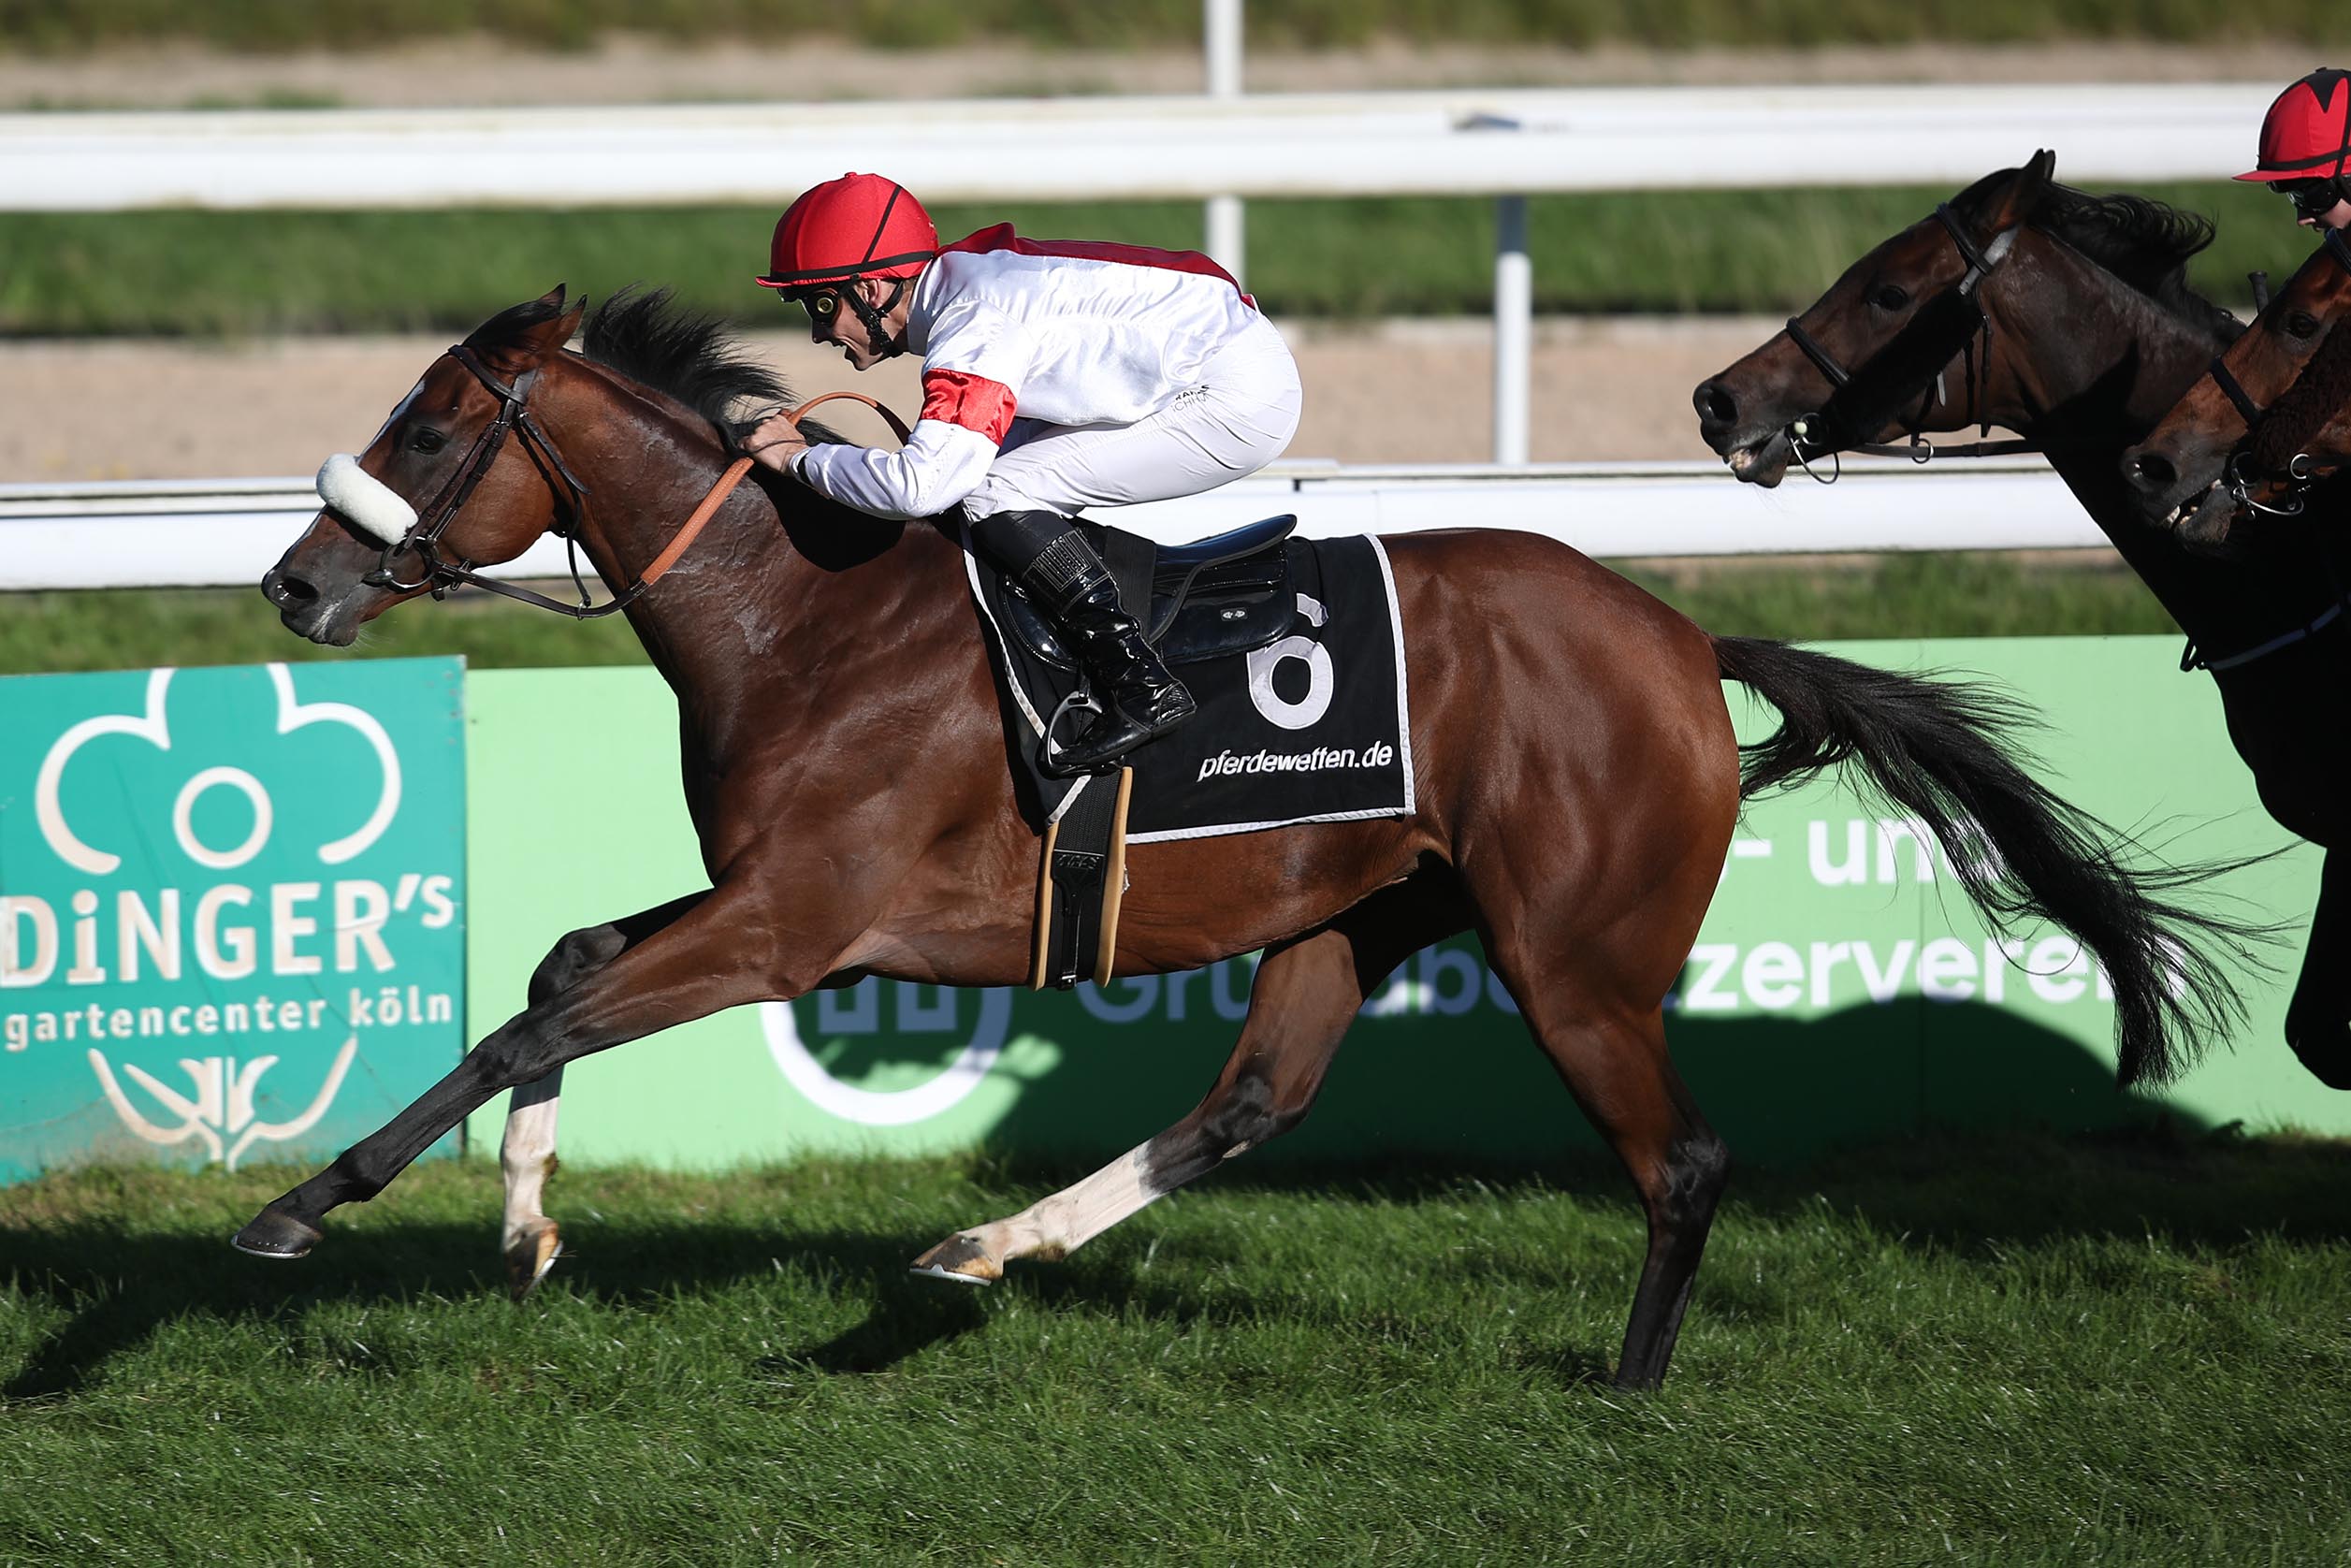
[(1399, 392)]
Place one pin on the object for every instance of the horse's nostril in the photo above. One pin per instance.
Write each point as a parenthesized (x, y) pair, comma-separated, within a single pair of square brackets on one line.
[(287, 592), (1715, 404), (2150, 470)]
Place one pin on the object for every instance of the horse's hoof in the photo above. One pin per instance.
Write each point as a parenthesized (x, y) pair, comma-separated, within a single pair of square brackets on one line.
[(961, 1259), (274, 1234), (529, 1256)]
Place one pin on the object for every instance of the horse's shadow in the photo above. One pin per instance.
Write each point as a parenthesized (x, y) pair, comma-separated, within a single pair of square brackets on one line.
[(2191, 1187)]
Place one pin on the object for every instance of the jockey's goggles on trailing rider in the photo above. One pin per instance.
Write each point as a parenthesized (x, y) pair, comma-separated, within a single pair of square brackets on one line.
[(2311, 198)]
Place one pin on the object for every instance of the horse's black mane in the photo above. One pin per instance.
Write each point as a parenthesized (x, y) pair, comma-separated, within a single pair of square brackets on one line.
[(2318, 394), (648, 336), (2144, 242), (695, 357)]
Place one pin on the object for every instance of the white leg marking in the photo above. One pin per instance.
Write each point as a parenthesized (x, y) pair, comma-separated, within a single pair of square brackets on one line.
[(528, 1153), (1055, 1226)]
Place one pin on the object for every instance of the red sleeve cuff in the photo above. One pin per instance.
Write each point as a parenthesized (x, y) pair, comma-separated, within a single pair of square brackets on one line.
[(975, 402)]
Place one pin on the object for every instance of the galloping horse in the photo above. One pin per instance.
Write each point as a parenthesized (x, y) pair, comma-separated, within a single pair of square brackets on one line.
[(2196, 473), (2296, 448), (2075, 328), (845, 767)]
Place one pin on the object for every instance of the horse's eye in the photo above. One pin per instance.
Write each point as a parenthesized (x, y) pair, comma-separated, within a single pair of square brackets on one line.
[(427, 441), (1890, 296), (2301, 323)]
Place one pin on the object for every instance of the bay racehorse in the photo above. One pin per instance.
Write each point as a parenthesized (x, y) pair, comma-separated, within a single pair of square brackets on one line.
[(2067, 317), (848, 776)]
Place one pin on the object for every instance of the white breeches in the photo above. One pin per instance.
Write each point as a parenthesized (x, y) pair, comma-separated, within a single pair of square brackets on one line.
[(1236, 420)]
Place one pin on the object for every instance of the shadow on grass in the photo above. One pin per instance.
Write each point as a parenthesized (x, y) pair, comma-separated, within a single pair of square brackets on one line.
[(1969, 1192), (2139, 1172)]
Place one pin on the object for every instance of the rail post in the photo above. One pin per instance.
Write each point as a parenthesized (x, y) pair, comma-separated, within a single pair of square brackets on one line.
[(1227, 241)]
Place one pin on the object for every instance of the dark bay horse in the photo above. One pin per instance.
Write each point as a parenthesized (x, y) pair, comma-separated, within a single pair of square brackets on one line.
[(847, 773), (2231, 441), (2295, 454), (2080, 335)]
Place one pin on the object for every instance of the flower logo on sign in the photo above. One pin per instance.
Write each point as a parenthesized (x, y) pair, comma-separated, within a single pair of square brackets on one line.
[(222, 1106), (154, 727)]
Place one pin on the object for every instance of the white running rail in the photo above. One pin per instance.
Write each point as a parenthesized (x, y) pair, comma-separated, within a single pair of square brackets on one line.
[(200, 533)]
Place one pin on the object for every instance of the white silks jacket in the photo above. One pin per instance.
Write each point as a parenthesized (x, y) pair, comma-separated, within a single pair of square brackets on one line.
[(1065, 332)]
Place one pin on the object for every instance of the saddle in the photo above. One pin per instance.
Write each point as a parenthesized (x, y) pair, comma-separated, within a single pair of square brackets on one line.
[(1229, 593)]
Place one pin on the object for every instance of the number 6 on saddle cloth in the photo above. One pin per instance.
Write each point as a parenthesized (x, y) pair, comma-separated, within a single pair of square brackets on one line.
[(1292, 648)]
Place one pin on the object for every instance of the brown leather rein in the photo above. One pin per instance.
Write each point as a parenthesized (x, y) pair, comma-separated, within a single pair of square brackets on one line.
[(441, 574)]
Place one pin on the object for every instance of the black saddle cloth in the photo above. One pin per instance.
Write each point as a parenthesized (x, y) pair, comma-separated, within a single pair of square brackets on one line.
[(1290, 647)]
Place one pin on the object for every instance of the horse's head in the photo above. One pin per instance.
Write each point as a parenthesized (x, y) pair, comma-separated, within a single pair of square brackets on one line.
[(2254, 432), (439, 482), (1871, 357)]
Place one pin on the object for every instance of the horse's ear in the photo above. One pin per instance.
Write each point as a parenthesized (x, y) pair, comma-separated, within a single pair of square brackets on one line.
[(514, 347), (2023, 194), (550, 337)]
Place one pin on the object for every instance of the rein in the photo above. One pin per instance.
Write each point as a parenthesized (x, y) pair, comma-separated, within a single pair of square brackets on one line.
[(441, 574), (1976, 370)]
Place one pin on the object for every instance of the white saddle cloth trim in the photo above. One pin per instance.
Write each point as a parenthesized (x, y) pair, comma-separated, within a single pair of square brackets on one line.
[(352, 492)]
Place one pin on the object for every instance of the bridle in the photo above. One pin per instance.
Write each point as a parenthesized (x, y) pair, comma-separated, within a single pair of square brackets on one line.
[(2300, 475), (2300, 472), (1972, 326), (442, 573)]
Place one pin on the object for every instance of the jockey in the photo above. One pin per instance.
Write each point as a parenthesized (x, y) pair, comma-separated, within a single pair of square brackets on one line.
[(2306, 148), (1056, 376)]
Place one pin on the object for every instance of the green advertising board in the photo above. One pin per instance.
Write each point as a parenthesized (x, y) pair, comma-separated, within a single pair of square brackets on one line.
[(232, 908), (1841, 990)]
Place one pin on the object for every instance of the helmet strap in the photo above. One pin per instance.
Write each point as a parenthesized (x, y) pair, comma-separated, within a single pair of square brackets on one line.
[(877, 330)]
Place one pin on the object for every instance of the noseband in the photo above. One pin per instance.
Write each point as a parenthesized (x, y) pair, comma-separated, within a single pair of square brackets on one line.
[(1982, 260), (441, 574), (2300, 472)]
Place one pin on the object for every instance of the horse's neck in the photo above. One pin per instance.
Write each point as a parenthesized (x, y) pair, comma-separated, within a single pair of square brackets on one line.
[(2090, 395), (760, 603)]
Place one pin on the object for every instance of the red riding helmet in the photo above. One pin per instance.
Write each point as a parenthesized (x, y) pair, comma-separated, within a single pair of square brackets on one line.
[(2307, 133), (860, 225)]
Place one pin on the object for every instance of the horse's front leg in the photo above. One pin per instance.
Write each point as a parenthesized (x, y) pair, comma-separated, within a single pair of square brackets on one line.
[(528, 1240), (2318, 1019), (722, 953)]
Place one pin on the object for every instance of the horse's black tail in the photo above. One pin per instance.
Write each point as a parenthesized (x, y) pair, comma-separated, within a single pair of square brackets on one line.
[(1945, 753)]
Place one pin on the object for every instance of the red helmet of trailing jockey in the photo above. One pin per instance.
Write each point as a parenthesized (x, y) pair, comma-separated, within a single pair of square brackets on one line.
[(2307, 133), (860, 225)]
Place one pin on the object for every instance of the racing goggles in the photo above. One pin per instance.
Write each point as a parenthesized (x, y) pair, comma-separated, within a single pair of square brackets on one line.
[(824, 305), (2311, 198)]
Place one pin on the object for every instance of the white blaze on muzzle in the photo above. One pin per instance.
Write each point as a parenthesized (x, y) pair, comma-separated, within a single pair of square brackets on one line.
[(351, 492)]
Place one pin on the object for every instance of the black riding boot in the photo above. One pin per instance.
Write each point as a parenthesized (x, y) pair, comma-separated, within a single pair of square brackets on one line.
[(1067, 581)]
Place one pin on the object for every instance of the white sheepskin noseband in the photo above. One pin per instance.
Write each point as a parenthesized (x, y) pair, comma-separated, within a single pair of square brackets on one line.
[(352, 492)]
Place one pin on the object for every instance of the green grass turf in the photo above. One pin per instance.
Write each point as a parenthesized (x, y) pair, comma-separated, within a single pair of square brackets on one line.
[(1954, 595), (2012, 1350), (282, 25), (232, 273)]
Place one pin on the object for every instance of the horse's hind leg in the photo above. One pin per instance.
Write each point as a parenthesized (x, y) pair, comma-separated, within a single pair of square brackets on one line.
[(1610, 1048), (528, 1240), (1304, 997), (1616, 1065)]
